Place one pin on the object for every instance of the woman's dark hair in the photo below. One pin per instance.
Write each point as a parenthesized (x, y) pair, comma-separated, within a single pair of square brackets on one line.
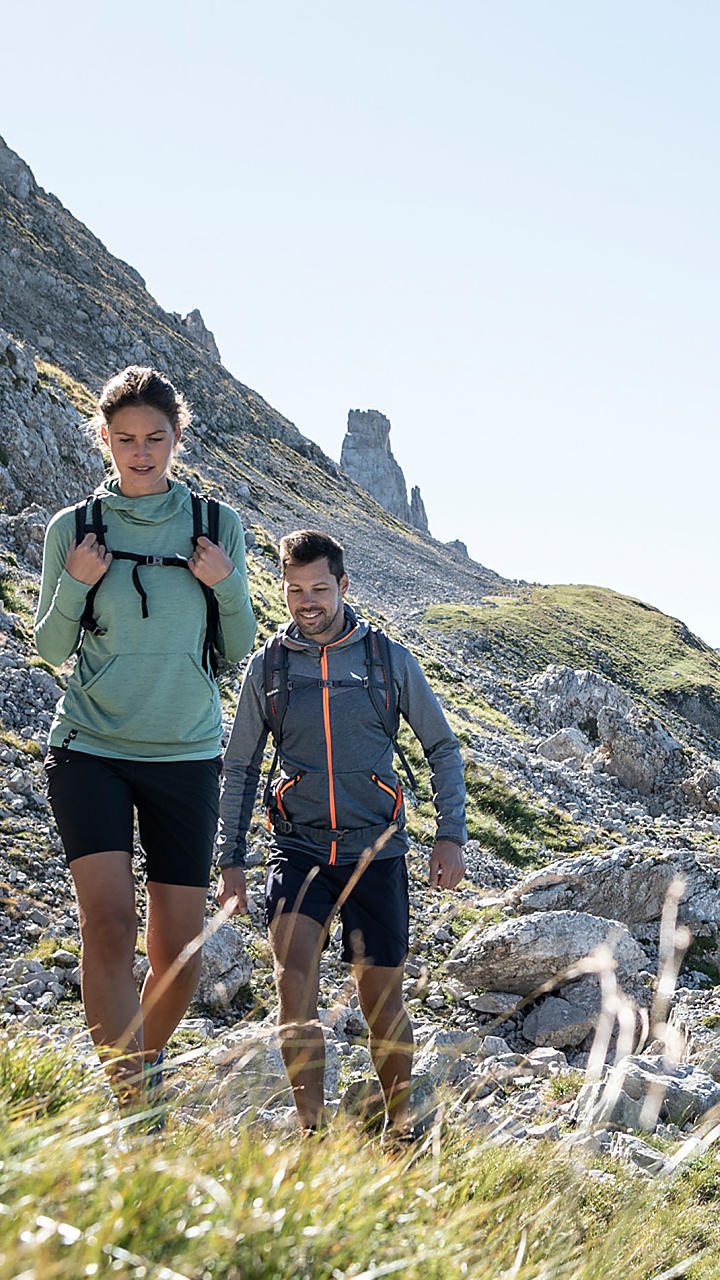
[(305, 545), (137, 385)]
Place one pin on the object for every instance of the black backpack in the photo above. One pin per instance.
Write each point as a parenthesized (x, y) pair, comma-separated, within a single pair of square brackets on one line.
[(94, 524), (378, 682)]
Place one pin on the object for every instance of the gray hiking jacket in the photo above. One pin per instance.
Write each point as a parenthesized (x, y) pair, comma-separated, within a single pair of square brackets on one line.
[(336, 760)]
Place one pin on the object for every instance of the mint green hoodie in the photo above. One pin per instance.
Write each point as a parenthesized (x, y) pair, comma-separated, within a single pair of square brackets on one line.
[(139, 692)]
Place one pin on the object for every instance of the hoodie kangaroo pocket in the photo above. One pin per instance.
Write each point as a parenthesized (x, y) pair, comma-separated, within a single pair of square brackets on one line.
[(156, 698)]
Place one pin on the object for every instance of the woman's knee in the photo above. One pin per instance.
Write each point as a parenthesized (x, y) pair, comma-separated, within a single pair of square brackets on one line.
[(109, 937)]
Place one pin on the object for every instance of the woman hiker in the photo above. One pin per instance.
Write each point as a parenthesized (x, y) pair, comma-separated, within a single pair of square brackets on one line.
[(144, 580)]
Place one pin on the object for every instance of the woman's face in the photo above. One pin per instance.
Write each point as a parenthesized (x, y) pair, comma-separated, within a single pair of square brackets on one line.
[(141, 440)]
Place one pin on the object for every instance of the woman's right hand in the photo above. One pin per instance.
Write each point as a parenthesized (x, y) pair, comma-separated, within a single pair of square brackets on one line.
[(89, 561)]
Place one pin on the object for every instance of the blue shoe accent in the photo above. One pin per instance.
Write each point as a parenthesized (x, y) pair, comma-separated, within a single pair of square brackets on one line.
[(153, 1089)]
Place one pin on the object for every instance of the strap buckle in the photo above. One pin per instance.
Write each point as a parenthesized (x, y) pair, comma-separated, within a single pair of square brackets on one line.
[(153, 559)]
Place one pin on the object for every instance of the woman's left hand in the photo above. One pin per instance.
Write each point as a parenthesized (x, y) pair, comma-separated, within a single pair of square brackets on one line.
[(210, 562)]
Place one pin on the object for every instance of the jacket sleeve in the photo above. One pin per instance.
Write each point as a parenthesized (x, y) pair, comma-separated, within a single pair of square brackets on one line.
[(62, 598), (241, 773), (237, 628), (421, 709)]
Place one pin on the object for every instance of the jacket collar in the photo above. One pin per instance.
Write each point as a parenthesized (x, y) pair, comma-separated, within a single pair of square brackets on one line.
[(354, 630)]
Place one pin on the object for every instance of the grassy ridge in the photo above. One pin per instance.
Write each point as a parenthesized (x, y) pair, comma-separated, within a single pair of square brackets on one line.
[(625, 639), (199, 1205)]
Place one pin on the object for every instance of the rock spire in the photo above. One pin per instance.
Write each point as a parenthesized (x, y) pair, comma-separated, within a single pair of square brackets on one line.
[(368, 459)]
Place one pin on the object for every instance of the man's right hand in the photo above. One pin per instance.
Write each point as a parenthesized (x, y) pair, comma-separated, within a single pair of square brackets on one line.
[(89, 561), (232, 885)]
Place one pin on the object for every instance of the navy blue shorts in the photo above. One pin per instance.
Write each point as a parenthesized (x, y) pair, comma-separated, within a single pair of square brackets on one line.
[(94, 798), (375, 916)]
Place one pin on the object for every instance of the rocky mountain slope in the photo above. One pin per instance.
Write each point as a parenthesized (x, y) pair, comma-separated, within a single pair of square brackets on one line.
[(589, 725)]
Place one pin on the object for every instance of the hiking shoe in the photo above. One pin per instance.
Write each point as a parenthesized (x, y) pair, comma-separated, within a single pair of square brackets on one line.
[(397, 1140)]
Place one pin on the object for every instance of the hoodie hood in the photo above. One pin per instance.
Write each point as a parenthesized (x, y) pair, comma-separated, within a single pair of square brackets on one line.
[(355, 629), (150, 508)]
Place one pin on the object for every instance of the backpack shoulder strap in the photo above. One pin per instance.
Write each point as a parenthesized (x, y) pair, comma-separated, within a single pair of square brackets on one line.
[(275, 684), (87, 621), (213, 514), (212, 508), (210, 647), (383, 694), (197, 515), (381, 685), (80, 520)]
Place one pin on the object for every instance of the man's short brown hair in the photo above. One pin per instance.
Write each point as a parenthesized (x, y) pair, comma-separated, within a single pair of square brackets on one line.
[(302, 546)]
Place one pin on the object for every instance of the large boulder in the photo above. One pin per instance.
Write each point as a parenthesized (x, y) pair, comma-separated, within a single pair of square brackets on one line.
[(566, 744), (562, 697), (695, 1021), (558, 1023), (521, 955), (226, 967), (641, 755), (630, 884), (638, 1090)]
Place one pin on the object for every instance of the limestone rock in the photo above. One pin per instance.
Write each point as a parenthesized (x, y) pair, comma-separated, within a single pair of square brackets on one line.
[(226, 967), (628, 1147), (458, 546), (14, 173), (566, 744), (25, 533), (367, 457), (563, 697), (702, 788), (520, 955), (198, 330), (48, 455), (695, 1017), (631, 745), (629, 884), (418, 514), (638, 1090), (637, 754), (557, 1023)]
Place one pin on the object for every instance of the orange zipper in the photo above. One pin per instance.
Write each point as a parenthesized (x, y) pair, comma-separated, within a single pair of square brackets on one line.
[(328, 737), (279, 793), (396, 794)]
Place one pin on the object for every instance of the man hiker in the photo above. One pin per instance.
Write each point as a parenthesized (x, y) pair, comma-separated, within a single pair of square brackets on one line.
[(329, 688)]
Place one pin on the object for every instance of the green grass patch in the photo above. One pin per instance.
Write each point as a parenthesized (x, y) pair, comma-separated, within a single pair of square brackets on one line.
[(54, 378), (74, 1202), (28, 746), (36, 1079), (512, 823), (594, 628), (466, 917), (565, 1086), (46, 947)]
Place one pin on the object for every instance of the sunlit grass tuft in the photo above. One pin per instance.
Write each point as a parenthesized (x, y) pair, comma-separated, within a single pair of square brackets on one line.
[(79, 1197)]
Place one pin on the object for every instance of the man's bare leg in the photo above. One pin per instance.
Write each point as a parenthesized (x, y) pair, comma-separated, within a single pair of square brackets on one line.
[(296, 944), (391, 1039)]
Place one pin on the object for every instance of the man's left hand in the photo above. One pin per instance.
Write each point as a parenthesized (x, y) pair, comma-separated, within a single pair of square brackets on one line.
[(210, 562), (447, 865)]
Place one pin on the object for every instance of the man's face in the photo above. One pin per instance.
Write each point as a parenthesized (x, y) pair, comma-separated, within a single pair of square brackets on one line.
[(314, 598)]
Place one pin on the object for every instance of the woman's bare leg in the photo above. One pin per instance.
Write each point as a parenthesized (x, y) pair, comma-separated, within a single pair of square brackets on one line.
[(175, 914), (108, 928)]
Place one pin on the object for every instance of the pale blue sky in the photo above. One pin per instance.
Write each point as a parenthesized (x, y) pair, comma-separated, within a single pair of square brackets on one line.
[(495, 222)]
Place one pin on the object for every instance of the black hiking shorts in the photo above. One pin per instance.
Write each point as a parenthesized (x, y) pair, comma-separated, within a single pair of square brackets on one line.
[(94, 799), (375, 915)]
